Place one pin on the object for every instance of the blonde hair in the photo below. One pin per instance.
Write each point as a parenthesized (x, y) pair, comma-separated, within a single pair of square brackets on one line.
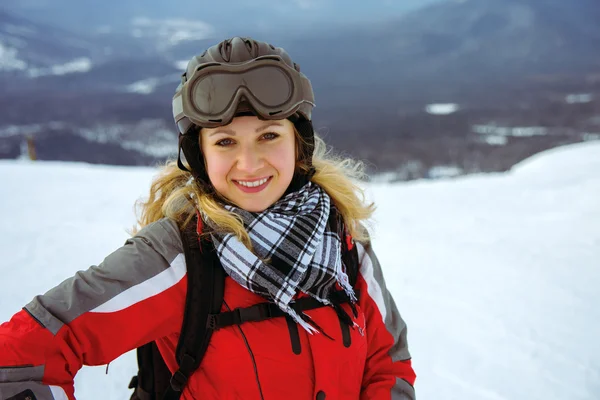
[(175, 194)]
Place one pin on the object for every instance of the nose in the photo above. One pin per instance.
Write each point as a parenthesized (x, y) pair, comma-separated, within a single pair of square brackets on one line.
[(249, 160)]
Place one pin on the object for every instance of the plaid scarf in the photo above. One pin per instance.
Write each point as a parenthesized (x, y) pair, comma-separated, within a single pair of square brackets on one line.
[(295, 249)]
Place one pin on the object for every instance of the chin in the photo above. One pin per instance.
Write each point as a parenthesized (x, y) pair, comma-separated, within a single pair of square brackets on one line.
[(254, 206), (257, 202)]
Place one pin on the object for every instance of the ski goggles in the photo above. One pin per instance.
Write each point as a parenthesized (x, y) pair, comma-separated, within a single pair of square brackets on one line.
[(211, 95)]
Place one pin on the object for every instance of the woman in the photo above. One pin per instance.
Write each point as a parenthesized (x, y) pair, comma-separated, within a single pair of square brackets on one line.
[(265, 192)]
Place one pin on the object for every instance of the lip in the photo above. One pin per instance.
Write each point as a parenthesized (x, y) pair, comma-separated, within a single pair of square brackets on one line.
[(254, 189)]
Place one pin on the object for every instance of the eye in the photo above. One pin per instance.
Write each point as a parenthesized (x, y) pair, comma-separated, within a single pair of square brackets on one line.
[(224, 142), (270, 136)]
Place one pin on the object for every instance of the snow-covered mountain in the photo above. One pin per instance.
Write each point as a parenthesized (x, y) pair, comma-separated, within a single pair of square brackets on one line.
[(33, 50), (507, 63), (233, 17), (41, 59), (478, 38), (451, 49), (434, 54), (165, 33), (496, 275)]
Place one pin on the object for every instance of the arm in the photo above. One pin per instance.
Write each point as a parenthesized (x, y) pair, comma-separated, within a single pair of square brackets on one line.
[(388, 371), (136, 295)]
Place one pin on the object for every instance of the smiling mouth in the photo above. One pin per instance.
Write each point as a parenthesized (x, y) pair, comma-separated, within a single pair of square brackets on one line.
[(253, 186), (254, 183)]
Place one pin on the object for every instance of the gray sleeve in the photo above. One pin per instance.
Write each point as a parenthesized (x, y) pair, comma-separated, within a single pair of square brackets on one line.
[(149, 253), (39, 390), (393, 322), (140, 271)]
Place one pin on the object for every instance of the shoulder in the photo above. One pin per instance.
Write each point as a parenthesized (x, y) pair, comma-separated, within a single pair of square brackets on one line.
[(364, 244), (366, 256), (164, 226), (162, 235)]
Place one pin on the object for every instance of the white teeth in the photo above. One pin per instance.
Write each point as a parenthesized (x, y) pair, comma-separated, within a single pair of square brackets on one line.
[(254, 183)]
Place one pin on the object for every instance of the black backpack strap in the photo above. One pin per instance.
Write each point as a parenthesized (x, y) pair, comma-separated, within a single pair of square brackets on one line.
[(153, 376), (263, 311), (349, 252), (205, 291), (206, 284), (351, 265), (350, 259), (153, 379)]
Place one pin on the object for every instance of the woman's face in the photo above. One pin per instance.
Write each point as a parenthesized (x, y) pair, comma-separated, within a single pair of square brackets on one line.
[(250, 162)]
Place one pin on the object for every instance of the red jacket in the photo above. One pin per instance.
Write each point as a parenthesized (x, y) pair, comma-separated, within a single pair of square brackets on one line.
[(137, 294)]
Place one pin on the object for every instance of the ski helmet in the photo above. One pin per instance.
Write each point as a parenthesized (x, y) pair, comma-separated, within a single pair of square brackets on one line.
[(241, 76)]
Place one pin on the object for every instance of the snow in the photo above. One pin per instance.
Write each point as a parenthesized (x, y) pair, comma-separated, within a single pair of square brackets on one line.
[(170, 32), (442, 108), (148, 86), (160, 141), (14, 42), (31, 129), (19, 30), (181, 64), (495, 140), (162, 144), (590, 136), (579, 98), (145, 86), (78, 65), (444, 171), (12, 130), (517, 131), (9, 60), (497, 275)]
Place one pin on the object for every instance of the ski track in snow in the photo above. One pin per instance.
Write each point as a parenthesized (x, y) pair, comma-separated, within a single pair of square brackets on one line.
[(496, 275)]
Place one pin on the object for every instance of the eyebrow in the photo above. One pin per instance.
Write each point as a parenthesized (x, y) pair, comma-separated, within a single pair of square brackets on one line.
[(232, 132)]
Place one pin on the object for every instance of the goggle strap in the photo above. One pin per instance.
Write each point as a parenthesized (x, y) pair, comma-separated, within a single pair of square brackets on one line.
[(179, 162)]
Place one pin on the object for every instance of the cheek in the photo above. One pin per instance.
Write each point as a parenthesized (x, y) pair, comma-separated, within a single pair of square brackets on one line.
[(217, 166), (285, 159)]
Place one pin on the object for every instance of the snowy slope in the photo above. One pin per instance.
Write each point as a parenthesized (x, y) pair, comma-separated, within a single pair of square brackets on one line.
[(35, 50), (496, 275)]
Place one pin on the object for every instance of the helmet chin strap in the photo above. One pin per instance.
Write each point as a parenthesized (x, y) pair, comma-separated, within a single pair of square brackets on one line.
[(190, 145)]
